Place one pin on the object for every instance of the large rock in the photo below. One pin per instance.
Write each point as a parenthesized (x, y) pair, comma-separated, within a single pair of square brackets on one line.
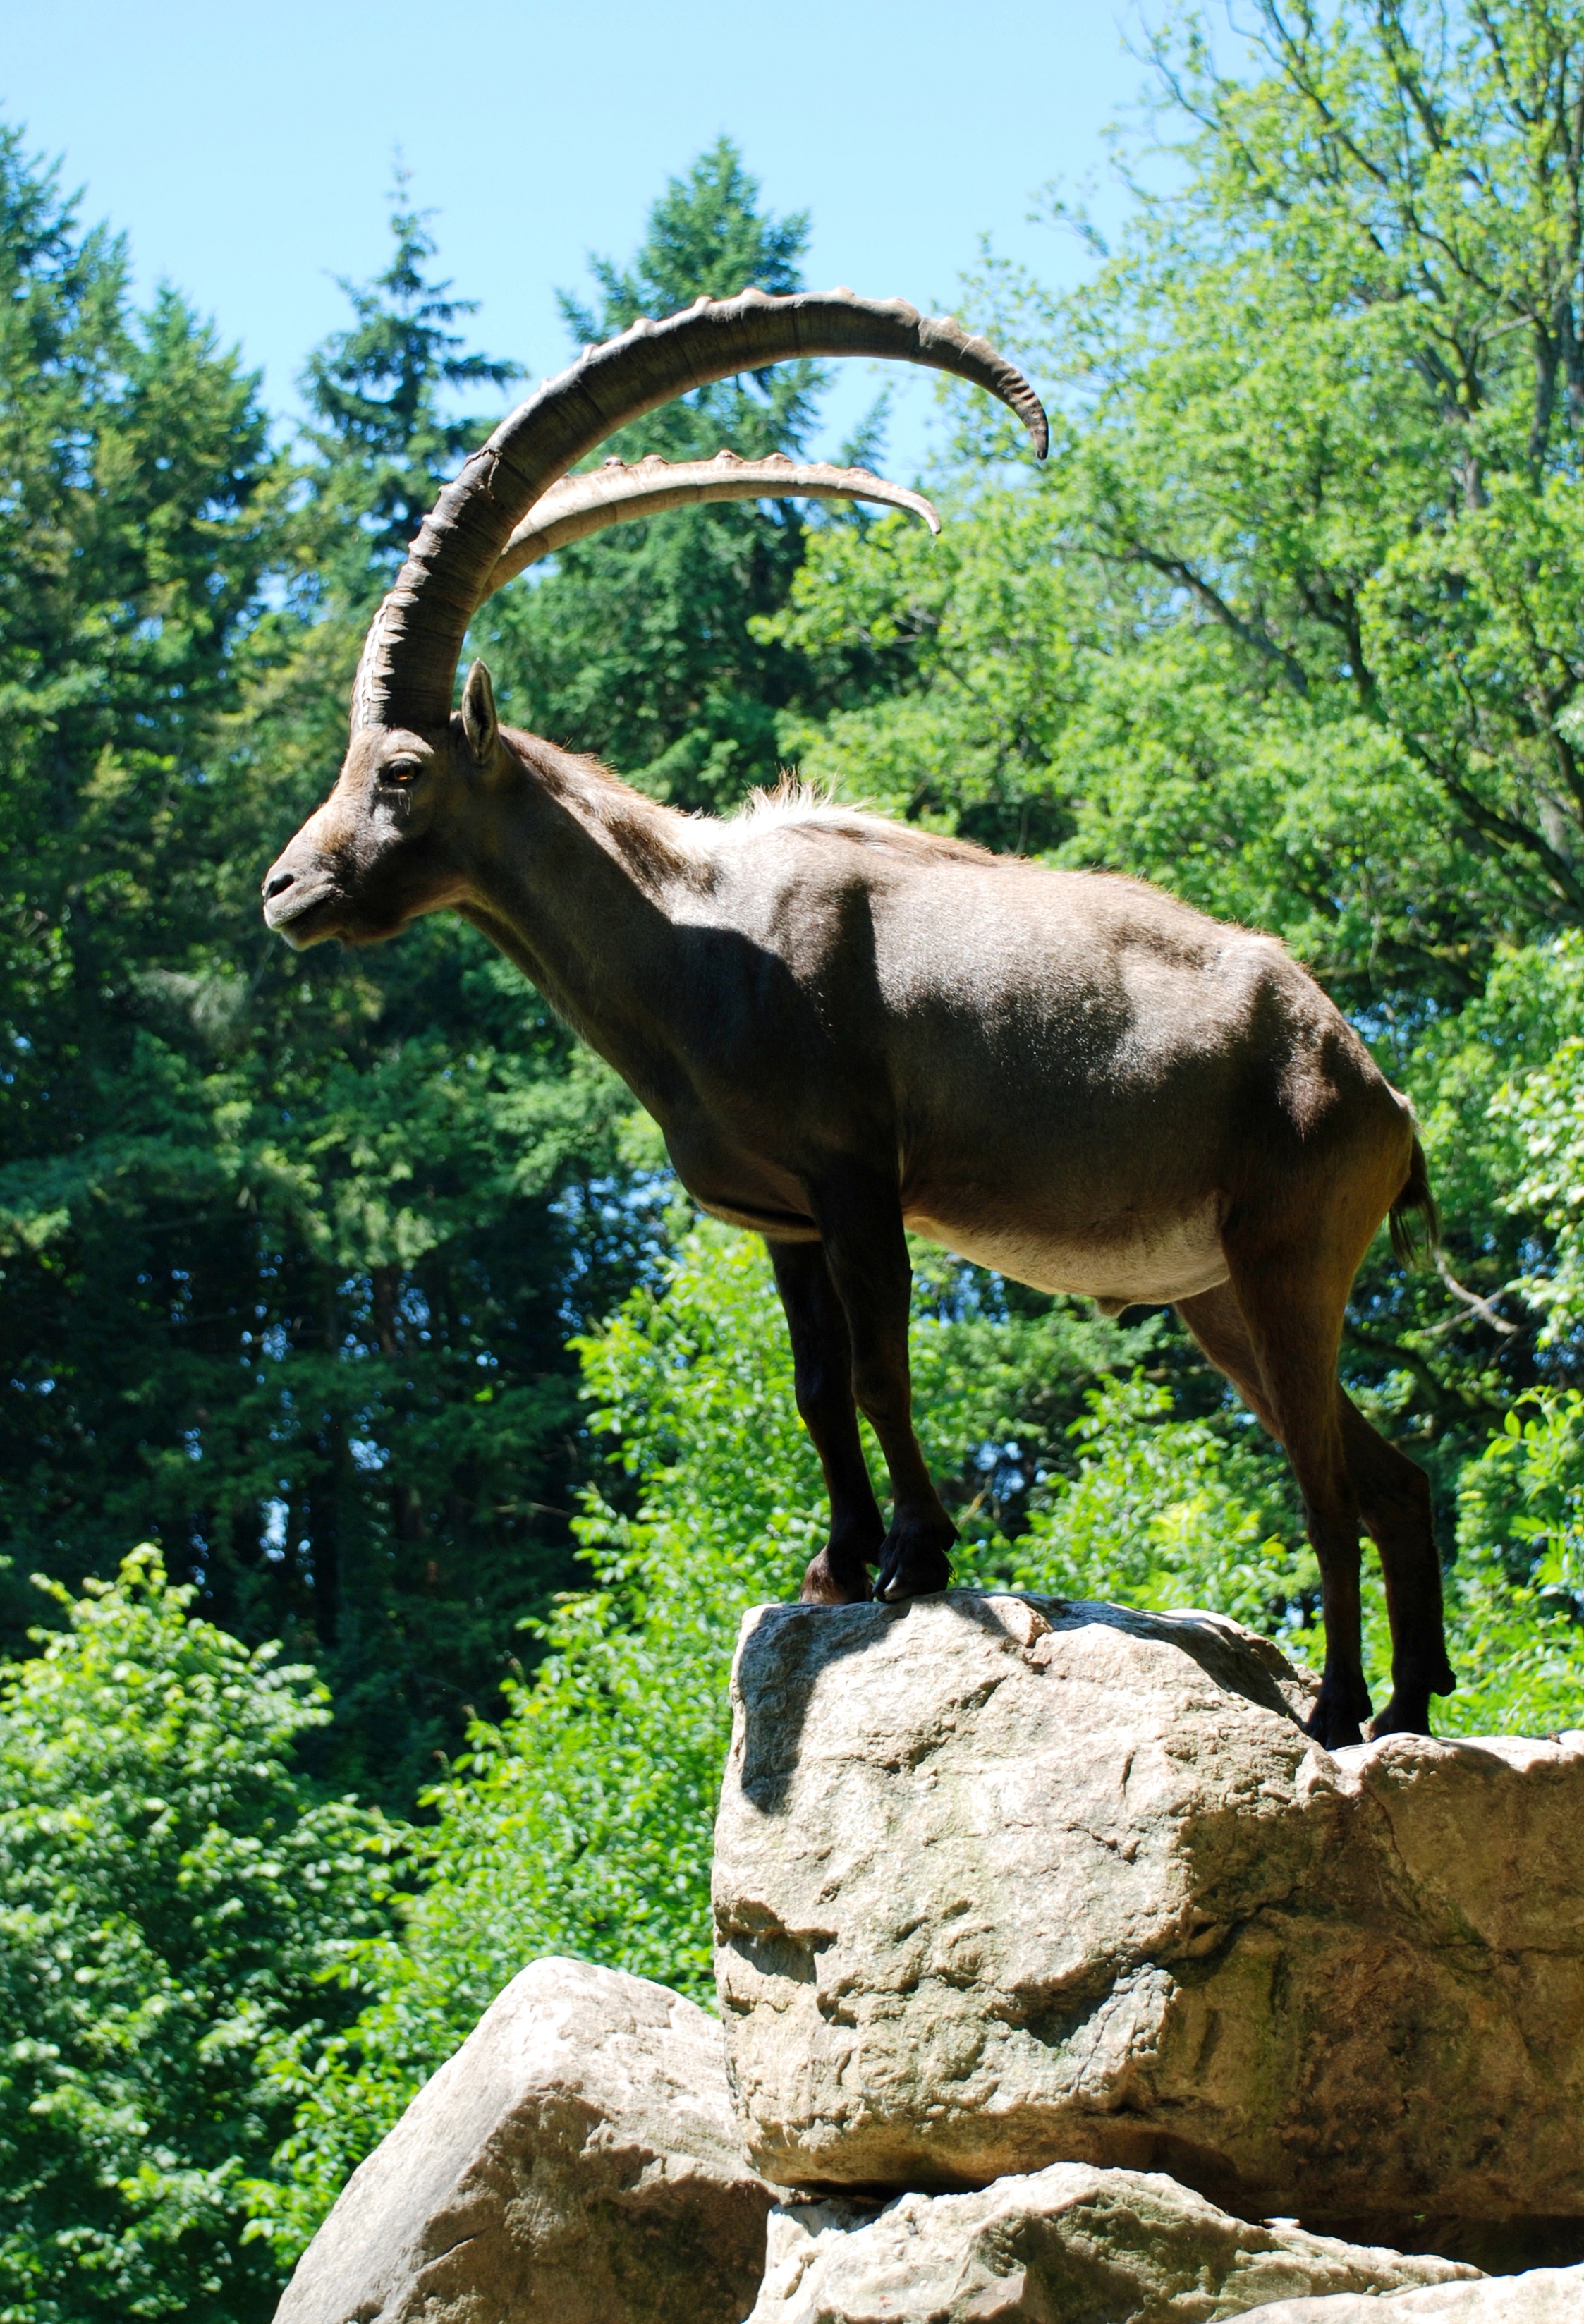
[(1067, 2245), (1545, 2295), (1006, 1881), (577, 2160)]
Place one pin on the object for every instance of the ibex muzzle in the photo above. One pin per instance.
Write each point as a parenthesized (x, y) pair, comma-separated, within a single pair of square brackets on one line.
[(847, 1027)]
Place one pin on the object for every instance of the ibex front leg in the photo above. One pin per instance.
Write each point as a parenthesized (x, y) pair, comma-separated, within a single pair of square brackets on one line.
[(822, 1361), (860, 1219)]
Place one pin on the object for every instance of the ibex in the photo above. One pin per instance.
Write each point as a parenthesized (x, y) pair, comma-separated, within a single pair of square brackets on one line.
[(846, 1027)]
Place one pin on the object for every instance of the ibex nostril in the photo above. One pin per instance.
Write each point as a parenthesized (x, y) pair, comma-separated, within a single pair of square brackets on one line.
[(277, 884)]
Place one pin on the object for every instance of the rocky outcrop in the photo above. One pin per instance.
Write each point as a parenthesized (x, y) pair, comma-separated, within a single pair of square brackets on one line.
[(1546, 2295), (1073, 2242), (577, 2160), (1006, 1881)]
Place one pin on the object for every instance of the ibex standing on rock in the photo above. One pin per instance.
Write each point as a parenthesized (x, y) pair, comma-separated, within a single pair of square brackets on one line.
[(846, 1027)]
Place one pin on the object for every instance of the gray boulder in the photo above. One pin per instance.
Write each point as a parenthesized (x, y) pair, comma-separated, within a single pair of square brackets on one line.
[(575, 2160), (1004, 1881), (1072, 2244), (1545, 2295)]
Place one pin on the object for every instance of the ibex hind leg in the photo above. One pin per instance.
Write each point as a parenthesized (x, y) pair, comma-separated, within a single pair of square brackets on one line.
[(1275, 1337), (1394, 1500), (1392, 1497)]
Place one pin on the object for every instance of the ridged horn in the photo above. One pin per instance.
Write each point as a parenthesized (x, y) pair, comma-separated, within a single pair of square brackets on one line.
[(409, 656), (620, 493)]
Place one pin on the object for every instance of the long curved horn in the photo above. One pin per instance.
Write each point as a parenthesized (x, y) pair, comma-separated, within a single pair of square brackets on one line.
[(410, 653), (617, 493)]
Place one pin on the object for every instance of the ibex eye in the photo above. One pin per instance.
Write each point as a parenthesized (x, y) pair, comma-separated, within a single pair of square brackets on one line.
[(400, 770)]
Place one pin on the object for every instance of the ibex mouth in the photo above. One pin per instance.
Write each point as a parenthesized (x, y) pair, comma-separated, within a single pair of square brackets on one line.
[(298, 911)]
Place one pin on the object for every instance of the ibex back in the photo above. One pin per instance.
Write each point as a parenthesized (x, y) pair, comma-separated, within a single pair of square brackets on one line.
[(846, 1027)]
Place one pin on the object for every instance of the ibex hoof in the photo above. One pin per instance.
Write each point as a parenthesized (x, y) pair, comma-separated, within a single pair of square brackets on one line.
[(829, 1583), (913, 1570)]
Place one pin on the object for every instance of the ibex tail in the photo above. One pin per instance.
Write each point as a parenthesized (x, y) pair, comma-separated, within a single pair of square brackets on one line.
[(1415, 1239)]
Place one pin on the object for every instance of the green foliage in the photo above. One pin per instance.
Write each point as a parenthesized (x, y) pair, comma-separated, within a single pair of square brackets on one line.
[(291, 1247), (1450, 1351), (171, 1902), (1518, 1593), (1165, 1512), (976, 655), (1328, 411), (1545, 1111)]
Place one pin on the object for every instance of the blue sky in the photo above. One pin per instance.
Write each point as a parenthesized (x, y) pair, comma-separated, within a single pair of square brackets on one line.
[(247, 152)]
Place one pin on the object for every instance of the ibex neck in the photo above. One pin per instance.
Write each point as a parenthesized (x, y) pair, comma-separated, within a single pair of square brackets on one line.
[(578, 882)]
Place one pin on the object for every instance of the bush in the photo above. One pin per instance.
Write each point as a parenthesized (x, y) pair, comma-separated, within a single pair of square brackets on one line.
[(171, 1902)]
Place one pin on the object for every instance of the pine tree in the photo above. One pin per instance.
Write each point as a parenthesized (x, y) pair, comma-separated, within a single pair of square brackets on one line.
[(136, 517), (381, 437)]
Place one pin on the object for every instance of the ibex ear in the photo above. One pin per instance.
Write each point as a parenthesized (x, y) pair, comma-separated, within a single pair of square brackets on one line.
[(479, 721)]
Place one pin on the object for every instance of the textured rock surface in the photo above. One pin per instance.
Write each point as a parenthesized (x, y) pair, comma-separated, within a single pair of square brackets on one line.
[(1547, 2295), (575, 2160), (1001, 1881), (1070, 2243)]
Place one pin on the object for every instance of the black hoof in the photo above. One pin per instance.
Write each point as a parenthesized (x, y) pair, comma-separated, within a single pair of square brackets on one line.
[(1334, 1734), (913, 1571), (1404, 1714), (1335, 1725)]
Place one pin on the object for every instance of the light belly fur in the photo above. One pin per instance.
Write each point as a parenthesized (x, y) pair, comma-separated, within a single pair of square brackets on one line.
[(1151, 1262)]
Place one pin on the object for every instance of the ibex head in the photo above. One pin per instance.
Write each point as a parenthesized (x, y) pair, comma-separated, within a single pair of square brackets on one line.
[(393, 838)]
